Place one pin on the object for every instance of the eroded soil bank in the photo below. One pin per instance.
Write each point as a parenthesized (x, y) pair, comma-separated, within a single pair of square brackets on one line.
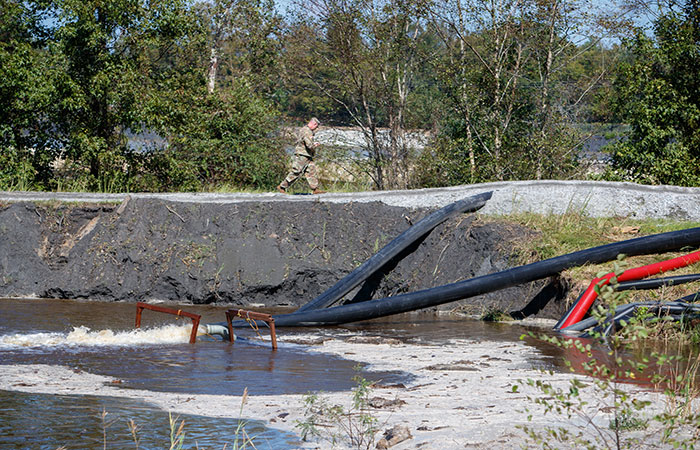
[(248, 254)]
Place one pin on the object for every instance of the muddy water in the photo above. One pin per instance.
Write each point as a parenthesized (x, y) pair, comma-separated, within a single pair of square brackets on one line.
[(100, 338), (430, 328)]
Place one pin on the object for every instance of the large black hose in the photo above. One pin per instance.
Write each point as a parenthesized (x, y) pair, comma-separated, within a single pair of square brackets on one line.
[(393, 248), (372, 309)]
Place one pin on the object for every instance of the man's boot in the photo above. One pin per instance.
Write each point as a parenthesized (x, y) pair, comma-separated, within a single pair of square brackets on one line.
[(281, 189), (318, 191)]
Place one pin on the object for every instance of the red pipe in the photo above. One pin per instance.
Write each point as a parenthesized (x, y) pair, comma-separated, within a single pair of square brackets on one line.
[(589, 296)]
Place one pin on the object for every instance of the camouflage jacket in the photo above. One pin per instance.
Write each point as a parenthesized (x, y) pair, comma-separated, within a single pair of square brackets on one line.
[(305, 142)]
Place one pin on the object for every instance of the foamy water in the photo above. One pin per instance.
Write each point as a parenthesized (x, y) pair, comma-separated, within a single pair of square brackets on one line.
[(85, 337)]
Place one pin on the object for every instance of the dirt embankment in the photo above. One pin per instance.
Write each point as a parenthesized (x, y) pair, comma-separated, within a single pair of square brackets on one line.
[(246, 254)]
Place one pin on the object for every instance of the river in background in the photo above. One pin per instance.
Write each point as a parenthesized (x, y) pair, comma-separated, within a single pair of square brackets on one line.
[(100, 338)]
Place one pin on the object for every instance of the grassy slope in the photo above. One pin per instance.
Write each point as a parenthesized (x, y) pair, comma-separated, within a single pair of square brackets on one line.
[(558, 235)]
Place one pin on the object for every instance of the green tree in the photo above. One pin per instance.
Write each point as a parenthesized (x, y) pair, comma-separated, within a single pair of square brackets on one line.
[(364, 57), (303, 98), (243, 43), (109, 52), (74, 95), (484, 68), (658, 94), (221, 134), (26, 71), (512, 115), (223, 141)]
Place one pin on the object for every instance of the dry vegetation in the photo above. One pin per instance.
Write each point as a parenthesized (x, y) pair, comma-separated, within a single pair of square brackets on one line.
[(558, 235)]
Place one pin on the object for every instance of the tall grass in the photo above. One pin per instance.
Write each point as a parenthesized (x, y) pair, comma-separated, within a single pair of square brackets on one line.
[(177, 432), (556, 235)]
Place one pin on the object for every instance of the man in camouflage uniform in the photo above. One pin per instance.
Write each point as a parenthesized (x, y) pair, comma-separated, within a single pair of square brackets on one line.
[(303, 162)]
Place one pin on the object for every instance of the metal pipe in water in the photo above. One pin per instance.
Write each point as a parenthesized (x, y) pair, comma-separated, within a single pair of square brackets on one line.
[(213, 329)]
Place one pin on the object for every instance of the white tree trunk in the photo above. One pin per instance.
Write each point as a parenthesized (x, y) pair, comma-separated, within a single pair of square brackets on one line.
[(213, 67)]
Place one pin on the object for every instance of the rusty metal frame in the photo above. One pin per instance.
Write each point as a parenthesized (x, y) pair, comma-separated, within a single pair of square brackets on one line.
[(140, 306), (248, 316)]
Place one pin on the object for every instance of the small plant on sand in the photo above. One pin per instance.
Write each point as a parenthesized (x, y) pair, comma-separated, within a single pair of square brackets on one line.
[(335, 423), (580, 409)]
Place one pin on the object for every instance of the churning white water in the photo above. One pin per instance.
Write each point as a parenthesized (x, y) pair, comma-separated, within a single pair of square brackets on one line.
[(99, 338), (83, 336)]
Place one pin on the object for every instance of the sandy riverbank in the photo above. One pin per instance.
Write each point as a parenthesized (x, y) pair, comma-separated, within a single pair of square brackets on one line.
[(461, 397)]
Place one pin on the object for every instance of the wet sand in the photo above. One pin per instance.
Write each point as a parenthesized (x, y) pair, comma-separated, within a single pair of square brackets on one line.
[(461, 397)]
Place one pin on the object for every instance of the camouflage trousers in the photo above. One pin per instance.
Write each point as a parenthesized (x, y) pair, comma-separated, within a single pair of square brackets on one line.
[(302, 165)]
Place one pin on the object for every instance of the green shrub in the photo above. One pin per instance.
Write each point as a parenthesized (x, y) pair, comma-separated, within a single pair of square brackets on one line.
[(607, 390)]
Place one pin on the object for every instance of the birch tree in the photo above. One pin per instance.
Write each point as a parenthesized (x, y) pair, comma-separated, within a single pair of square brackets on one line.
[(363, 55), (242, 36), (505, 72), (485, 40)]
